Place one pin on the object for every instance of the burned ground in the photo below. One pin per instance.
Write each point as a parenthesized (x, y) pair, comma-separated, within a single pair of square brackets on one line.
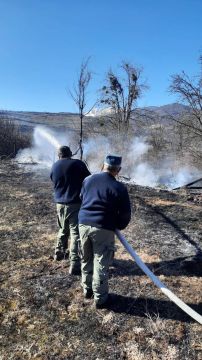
[(42, 311)]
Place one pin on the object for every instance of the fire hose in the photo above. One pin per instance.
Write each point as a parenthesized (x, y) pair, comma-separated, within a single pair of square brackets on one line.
[(157, 282)]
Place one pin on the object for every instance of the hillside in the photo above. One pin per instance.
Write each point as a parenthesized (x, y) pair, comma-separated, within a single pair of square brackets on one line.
[(70, 120), (43, 314), (30, 119)]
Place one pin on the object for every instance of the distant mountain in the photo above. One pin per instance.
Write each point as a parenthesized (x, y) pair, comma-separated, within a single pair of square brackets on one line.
[(169, 109)]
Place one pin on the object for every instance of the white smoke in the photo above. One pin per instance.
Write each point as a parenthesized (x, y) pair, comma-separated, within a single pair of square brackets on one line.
[(143, 174), (139, 147), (178, 177), (95, 150), (135, 165)]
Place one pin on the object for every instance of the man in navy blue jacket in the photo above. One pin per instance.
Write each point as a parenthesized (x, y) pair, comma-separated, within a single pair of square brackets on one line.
[(67, 175), (105, 207)]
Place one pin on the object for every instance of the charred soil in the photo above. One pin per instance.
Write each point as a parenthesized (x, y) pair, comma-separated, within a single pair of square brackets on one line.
[(43, 313)]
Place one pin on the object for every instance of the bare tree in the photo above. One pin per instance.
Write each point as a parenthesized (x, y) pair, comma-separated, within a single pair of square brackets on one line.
[(79, 94), (189, 91), (120, 95)]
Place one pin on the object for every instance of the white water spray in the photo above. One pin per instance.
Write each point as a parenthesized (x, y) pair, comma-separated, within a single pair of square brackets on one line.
[(44, 149), (42, 132)]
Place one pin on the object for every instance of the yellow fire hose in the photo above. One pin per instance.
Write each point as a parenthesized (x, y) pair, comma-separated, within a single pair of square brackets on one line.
[(157, 282)]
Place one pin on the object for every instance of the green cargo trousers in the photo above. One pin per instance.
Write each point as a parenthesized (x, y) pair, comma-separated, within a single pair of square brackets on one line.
[(97, 246), (68, 226)]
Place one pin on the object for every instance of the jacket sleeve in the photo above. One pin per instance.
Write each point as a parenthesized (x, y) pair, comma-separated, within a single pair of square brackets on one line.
[(86, 172), (124, 211), (51, 174)]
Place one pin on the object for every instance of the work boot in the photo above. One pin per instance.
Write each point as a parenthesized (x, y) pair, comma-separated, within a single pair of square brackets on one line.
[(106, 304), (59, 256), (111, 261), (75, 269), (66, 255), (88, 294)]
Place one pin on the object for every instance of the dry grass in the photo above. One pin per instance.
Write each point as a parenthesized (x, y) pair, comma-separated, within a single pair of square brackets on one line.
[(161, 202), (42, 311)]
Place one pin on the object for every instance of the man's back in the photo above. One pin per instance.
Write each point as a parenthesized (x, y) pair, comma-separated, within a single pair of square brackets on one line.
[(105, 202), (67, 175)]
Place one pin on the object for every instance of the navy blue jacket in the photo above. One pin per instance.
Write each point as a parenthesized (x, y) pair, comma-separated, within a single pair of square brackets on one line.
[(67, 176), (105, 202)]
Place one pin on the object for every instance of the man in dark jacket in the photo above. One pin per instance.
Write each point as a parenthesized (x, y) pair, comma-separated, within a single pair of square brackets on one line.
[(105, 207), (67, 176)]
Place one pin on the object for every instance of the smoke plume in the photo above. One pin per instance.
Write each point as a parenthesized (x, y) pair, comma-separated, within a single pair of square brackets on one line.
[(135, 164)]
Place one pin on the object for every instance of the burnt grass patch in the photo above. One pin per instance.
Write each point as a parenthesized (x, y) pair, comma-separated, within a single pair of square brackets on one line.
[(43, 313)]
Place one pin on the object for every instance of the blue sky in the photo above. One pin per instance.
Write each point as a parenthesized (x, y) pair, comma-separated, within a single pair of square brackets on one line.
[(43, 42)]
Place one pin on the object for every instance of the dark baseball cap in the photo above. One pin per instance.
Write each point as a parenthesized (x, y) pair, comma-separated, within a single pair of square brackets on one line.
[(113, 160)]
